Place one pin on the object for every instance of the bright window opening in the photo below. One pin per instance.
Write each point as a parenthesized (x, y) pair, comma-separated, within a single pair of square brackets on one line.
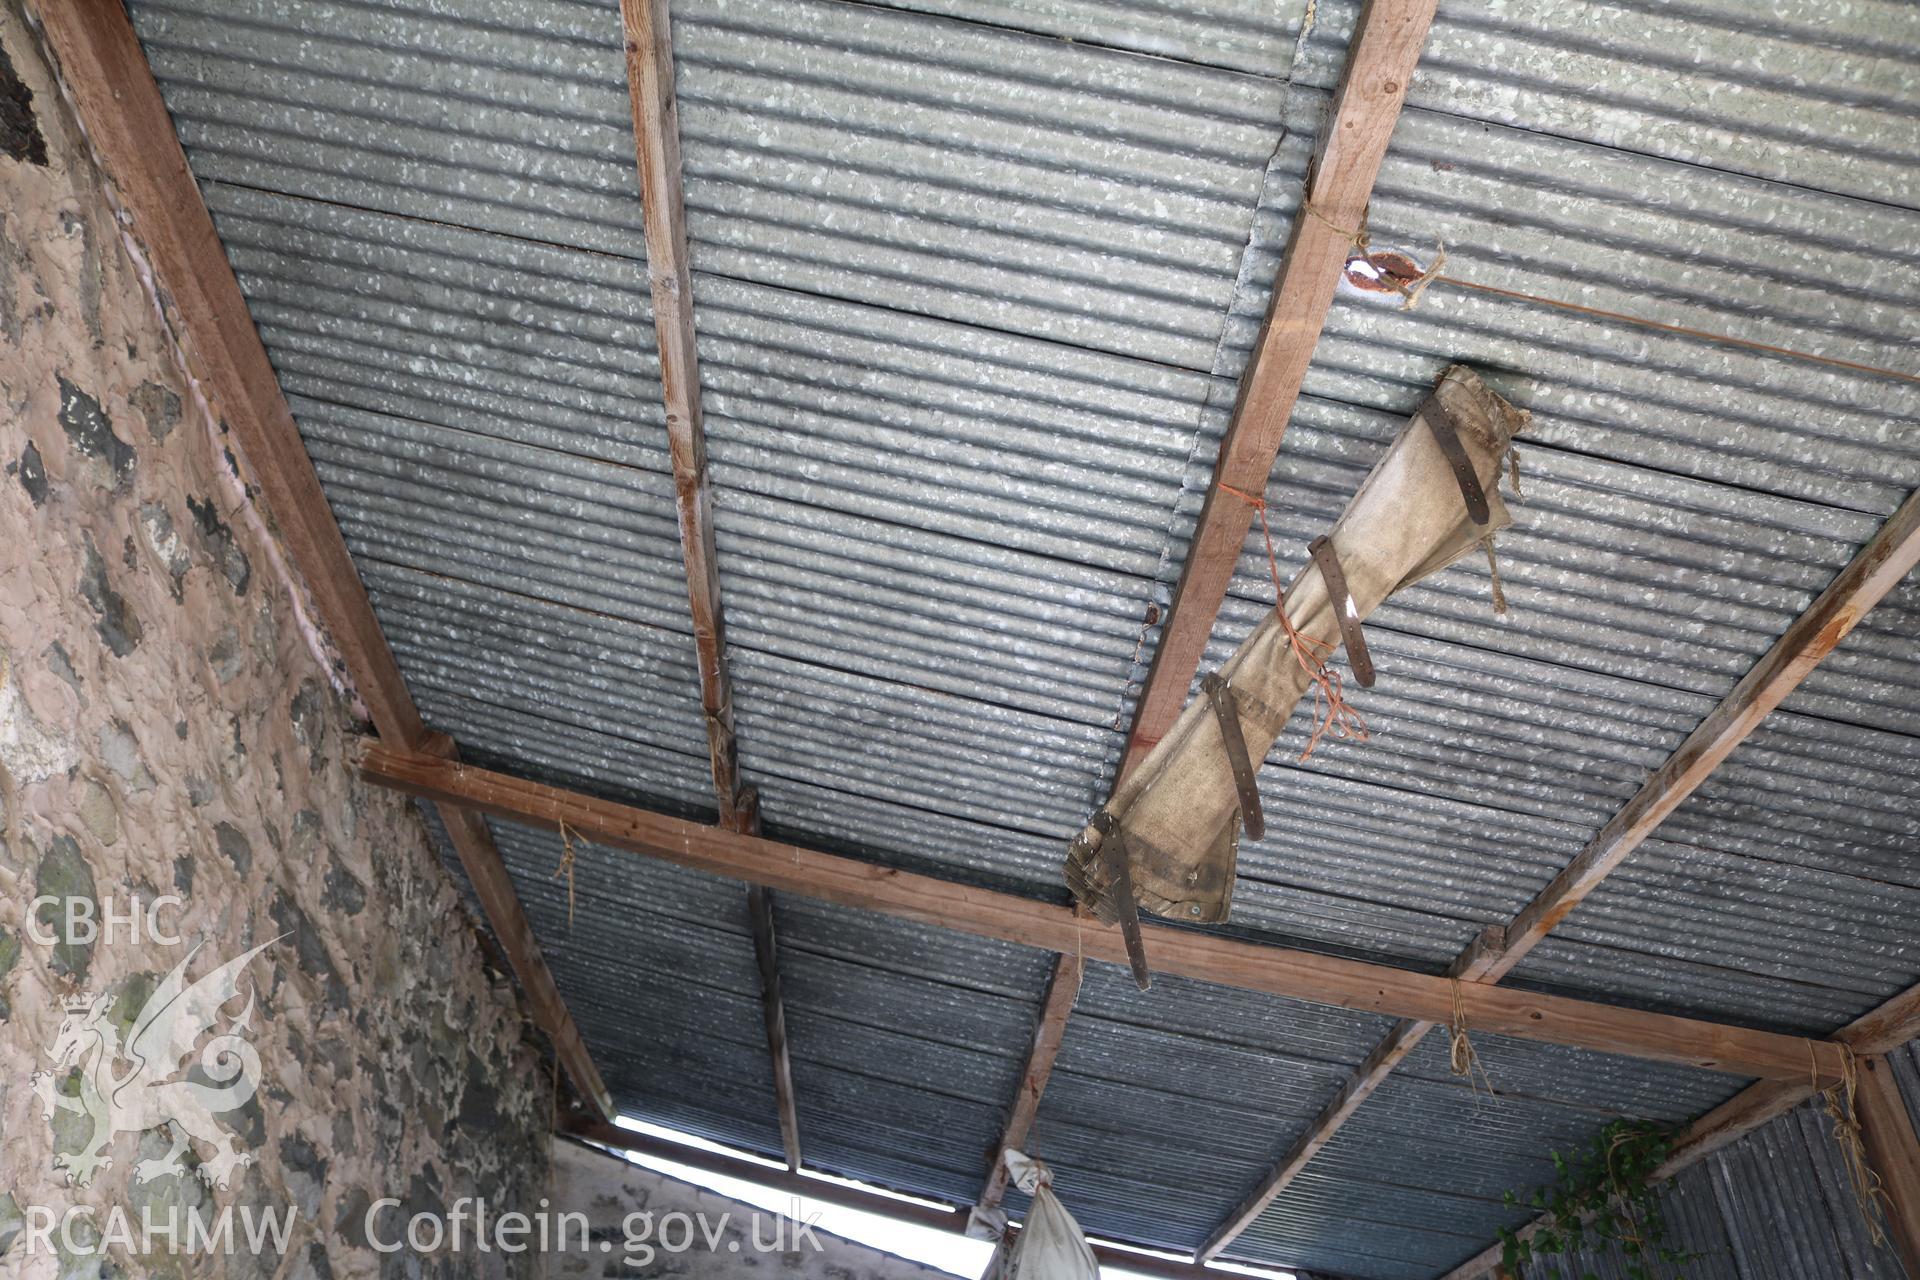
[(948, 1251)]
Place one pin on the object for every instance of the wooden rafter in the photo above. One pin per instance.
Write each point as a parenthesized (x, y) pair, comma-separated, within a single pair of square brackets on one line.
[(1403, 1039), (766, 954), (1873, 1035), (1380, 61), (1280, 971), (656, 138), (1063, 988), (1873, 572), (105, 71), (1894, 1155)]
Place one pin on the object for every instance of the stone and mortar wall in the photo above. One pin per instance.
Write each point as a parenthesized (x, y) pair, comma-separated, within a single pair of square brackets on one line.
[(166, 729)]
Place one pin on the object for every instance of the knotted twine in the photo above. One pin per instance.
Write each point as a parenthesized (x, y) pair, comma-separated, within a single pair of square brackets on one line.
[(1331, 712), (566, 866), (1868, 1195), (1462, 1058)]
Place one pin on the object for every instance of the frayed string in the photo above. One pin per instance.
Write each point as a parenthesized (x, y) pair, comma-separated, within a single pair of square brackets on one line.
[(1410, 291), (1493, 567), (567, 868), (1462, 1058), (1331, 713), (1869, 1196)]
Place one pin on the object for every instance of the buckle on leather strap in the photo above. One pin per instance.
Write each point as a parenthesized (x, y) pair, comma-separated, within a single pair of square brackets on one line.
[(1344, 612), (1440, 422)]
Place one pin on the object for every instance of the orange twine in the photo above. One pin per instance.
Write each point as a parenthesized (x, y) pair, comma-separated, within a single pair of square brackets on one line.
[(1331, 712)]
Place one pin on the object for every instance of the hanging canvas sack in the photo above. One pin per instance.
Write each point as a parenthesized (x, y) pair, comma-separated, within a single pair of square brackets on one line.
[(1171, 829), (1049, 1246)]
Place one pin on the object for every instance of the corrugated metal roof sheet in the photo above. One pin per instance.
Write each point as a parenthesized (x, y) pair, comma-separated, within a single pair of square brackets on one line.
[(908, 1044), (1167, 1106), (974, 280), (1415, 1181), (1774, 1206), (934, 167), (656, 964), (1805, 93)]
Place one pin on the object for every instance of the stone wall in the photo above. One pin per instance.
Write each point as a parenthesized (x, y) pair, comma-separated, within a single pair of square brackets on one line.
[(169, 736), (653, 1225)]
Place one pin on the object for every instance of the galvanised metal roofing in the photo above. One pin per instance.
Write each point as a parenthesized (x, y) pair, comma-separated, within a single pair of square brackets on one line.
[(974, 282), (1776, 1205)]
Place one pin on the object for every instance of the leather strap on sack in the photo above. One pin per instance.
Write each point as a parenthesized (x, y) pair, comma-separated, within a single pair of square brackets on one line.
[(1440, 422), (1252, 821), (1324, 559), (1118, 851)]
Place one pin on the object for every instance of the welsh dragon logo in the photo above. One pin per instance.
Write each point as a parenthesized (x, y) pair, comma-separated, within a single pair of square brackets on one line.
[(126, 1088)]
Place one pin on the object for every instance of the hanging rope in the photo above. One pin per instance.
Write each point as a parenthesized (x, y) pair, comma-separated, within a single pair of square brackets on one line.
[(1462, 1058), (1331, 713), (1868, 1195), (1493, 567), (566, 866)]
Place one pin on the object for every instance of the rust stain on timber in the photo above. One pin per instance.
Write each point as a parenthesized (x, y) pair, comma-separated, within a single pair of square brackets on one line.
[(1551, 918), (1834, 632)]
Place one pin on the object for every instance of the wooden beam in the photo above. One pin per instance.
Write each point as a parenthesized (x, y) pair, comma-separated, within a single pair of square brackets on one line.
[(1063, 988), (950, 1220), (479, 857), (1380, 60), (1876, 570), (1886, 1129), (105, 72), (1280, 971), (1873, 1035), (656, 136), (760, 912), (1873, 571), (656, 139), (1402, 1040)]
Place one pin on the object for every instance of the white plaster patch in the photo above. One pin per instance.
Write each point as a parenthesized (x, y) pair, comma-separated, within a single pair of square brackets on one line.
[(29, 753)]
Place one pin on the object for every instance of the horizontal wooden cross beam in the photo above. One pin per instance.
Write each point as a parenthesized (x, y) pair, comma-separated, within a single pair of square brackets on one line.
[(1279, 971)]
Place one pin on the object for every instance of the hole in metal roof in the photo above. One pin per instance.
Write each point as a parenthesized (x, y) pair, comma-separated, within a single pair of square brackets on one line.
[(1383, 271)]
